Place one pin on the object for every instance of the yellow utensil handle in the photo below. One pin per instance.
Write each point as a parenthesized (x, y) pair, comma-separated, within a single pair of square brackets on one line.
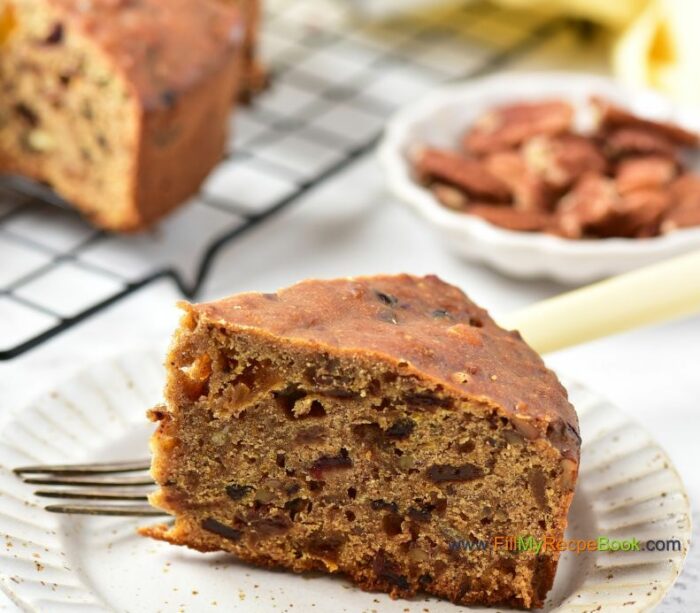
[(649, 295)]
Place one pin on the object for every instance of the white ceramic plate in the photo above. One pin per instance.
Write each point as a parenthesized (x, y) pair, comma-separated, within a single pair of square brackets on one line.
[(628, 488), (442, 117)]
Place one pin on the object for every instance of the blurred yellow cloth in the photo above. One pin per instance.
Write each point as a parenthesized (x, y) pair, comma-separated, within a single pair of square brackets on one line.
[(657, 42)]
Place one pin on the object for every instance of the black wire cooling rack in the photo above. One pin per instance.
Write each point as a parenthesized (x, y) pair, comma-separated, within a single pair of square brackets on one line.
[(335, 82)]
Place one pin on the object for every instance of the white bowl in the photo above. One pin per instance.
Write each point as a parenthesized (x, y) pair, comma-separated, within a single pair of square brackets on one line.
[(440, 120)]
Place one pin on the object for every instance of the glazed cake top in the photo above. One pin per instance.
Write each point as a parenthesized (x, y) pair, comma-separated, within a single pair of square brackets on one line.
[(420, 325), (162, 46)]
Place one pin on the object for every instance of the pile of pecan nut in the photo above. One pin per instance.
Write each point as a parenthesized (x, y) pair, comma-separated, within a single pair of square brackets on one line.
[(523, 167)]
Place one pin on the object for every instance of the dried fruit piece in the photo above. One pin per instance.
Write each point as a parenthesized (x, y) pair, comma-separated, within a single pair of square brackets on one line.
[(296, 506), (326, 546), (388, 570), (421, 512), (212, 525), (611, 116), (382, 505), (270, 526), (468, 174), (538, 486), (650, 172), (392, 524), (561, 160), (238, 492), (509, 126), (527, 428), (55, 36), (439, 473), (327, 463), (401, 428)]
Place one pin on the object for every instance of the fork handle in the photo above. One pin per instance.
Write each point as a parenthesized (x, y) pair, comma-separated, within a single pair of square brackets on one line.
[(653, 294)]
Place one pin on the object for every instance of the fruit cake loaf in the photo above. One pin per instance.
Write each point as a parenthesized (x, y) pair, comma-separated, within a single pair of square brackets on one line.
[(121, 106), (370, 426)]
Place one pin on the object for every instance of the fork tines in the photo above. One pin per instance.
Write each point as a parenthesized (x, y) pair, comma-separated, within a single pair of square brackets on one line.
[(97, 468), (106, 481), (142, 510)]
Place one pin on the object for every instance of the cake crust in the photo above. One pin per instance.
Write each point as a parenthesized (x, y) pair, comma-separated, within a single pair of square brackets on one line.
[(421, 325), (145, 40)]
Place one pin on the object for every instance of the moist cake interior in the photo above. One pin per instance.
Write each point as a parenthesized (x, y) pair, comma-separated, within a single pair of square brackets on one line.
[(290, 457)]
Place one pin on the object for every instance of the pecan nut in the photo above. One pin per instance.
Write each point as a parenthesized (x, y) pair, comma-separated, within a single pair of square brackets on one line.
[(469, 175), (611, 116), (590, 204), (530, 191), (651, 172), (561, 160), (510, 126)]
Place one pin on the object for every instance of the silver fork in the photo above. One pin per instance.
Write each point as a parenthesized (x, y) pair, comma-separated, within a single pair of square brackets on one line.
[(122, 485)]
